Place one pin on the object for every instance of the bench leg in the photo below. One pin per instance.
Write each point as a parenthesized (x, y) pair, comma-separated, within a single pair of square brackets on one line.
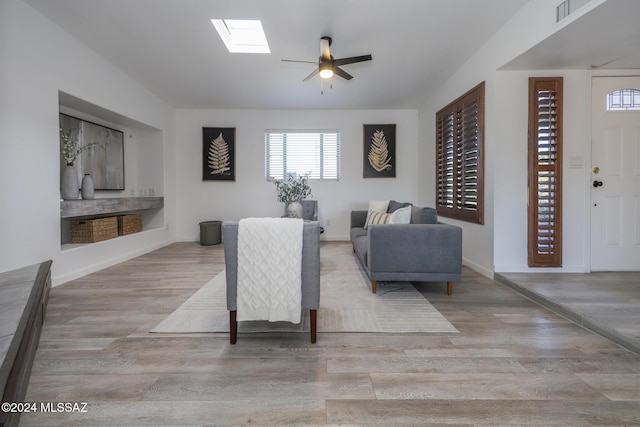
[(449, 288), (233, 327), (313, 318), (374, 286)]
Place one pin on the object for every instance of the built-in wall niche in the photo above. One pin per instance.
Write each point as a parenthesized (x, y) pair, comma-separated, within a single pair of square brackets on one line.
[(143, 163)]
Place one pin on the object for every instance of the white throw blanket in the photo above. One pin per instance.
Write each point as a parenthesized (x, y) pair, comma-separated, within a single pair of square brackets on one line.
[(269, 269)]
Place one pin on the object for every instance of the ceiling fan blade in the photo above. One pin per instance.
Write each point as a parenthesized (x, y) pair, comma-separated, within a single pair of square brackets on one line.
[(340, 72), (325, 53), (311, 75), (294, 60), (351, 60)]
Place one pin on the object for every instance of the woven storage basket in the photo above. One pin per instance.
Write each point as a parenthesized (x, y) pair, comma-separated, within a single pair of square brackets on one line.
[(94, 230), (128, 224)]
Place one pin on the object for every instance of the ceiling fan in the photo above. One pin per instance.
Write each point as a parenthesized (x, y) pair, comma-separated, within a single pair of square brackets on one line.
[(327, 66)]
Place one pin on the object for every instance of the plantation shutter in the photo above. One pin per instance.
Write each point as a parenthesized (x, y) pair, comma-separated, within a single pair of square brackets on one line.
[(459, 162), (545, 172), (302, 152)]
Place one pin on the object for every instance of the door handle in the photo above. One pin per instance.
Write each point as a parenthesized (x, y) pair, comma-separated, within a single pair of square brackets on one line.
[(597, 184)]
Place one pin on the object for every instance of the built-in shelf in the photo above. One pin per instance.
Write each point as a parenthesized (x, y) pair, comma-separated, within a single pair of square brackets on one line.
[(86, 208)]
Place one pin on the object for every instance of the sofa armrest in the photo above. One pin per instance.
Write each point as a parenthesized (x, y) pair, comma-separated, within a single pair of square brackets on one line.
[(423, 248), (358, 218)]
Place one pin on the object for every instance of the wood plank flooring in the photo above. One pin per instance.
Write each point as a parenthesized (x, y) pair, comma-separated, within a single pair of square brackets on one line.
[(513, 363), (607, 303)]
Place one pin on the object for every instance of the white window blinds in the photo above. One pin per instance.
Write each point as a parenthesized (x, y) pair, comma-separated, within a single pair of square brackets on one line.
[(316, 153)]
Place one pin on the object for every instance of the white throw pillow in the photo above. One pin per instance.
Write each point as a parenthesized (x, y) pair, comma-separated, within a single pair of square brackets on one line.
[(401, 216), (379, 206)]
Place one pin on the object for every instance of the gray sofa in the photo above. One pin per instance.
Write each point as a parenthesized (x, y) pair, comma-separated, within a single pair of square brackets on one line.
[(424, 250)]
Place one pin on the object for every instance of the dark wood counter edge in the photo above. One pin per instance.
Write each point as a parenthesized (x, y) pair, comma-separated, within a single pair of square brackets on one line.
[(96, 207), (22, 349)]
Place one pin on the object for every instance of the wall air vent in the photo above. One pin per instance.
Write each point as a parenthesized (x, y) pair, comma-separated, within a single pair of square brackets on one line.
[(567, 7)]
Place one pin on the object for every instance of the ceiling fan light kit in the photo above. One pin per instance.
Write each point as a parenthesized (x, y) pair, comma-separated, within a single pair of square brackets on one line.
[(327, 66), (325, 71)]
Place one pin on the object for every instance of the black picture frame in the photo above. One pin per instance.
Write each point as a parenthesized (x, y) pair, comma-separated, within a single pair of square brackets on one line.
[(105, 161), (218, 154), (379, 153)]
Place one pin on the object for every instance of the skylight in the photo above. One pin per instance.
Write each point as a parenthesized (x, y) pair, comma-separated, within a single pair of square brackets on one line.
[(242, 36)]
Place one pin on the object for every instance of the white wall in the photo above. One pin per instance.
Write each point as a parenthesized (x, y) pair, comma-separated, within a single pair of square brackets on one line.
[(501, 243), (477, 240), (37, 60), (252, 195), (511, 177)]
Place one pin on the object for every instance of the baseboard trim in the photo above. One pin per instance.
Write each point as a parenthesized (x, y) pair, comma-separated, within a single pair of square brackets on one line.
[(477, 268)]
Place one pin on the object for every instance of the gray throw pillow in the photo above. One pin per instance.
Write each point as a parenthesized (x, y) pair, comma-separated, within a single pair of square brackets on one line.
[(394, 206)]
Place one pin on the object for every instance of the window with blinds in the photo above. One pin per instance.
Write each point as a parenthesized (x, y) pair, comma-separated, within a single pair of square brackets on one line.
[(313, 153), (545, 172), (459, 157)]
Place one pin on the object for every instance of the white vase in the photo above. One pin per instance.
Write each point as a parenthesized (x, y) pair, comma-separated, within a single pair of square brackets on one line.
[(69, 186), (294, 210), (88, 190)]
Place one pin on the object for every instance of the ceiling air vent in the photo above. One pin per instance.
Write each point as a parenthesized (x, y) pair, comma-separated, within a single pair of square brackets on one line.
[(567, 7)]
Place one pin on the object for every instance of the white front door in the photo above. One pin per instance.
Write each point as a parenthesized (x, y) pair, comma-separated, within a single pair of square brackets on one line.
[(615, 178)]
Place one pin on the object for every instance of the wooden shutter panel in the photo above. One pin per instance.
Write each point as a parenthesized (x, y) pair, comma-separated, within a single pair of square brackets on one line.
[(445, 160), (459, 157), (468, 185), (545, 172)]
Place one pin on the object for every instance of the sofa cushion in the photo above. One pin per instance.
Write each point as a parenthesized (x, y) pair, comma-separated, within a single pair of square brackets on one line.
[(357, 232), (423, 215), (394, 206), (361, 245)]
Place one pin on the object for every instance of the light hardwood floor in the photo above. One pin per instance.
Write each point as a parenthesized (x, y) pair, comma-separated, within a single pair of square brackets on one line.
[(512, 363)]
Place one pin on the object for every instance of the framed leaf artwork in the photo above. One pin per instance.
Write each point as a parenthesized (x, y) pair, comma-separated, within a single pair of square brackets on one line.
[(379, 151), (218, 154)]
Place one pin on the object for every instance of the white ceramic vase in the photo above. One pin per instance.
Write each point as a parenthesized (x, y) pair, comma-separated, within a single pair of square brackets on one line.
[(69, 186), (294, 210)]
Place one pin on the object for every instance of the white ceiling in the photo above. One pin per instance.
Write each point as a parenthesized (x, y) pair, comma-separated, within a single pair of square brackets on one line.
[(171, 47), (606, 38)]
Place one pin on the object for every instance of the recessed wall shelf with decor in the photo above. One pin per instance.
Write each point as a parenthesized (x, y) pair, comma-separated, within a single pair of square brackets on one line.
[(149, 207), (141, 161)]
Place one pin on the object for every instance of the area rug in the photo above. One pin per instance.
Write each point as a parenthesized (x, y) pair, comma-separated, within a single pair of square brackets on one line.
[(346, 305)]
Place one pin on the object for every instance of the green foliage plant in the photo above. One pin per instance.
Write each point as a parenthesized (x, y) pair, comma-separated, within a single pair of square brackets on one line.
[(293, 189), (71, 146)]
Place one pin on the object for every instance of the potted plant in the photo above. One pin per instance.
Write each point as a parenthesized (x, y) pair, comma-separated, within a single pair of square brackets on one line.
[(292, 191), (71, 150)]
